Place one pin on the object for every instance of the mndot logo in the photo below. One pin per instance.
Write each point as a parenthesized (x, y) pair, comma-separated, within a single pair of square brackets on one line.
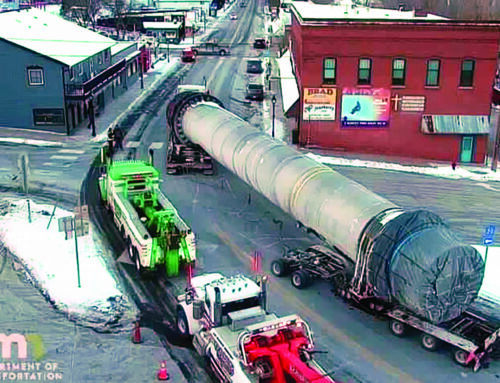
[(8, 340), (21, 369)]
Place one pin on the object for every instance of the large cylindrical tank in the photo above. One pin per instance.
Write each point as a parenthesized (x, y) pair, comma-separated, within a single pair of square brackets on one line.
[(413, 257)]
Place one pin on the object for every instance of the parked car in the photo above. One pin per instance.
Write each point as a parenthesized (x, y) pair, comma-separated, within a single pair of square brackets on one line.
[(260, 43), (187, 55), (255, 92), (211, 48), (254, 66), (233, 16)]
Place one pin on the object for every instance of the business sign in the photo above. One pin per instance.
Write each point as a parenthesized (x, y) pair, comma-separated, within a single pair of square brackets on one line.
[(412, 103), (365, 107), (319, 104)]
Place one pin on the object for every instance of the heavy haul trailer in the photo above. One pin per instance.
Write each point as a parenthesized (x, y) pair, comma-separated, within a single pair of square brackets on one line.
[(182, 155), (471, 336), (241, 341), (154, 232), (411, 259)]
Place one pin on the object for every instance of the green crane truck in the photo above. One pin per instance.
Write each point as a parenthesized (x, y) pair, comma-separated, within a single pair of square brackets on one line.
[(154, 232)]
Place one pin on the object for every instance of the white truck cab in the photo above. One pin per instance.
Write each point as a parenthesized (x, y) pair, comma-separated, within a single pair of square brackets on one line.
[(213, 297)]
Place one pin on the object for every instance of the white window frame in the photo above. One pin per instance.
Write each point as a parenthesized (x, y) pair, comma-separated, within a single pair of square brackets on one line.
[(31, 70)]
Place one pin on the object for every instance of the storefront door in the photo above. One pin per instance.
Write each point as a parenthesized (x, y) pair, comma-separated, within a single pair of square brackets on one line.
[(467, 148)]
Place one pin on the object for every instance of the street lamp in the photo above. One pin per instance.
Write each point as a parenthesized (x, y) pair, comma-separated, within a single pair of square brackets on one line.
[(273, 100)]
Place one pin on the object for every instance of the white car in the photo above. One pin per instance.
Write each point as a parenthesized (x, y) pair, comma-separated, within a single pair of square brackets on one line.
[(233, 16)]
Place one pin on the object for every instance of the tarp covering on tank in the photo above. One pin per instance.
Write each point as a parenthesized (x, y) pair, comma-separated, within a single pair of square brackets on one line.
[(420, 263)]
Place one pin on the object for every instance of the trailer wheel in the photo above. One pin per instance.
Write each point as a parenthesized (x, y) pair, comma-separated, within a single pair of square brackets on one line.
[(279, 268), (460, 357), (397, 328), (182, 322), (429, 342), (300, 279)]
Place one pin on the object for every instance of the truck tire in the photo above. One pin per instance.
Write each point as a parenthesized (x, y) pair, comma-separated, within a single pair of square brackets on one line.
[(195, 52), (279, 268), (137, 260), (398, 328), (300, 279), (263, 368), (222, 52), (429, 342), (460, 356), (182, 322)]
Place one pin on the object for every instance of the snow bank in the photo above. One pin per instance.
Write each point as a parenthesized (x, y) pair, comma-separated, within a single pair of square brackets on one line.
[(488, 301), (50, 262), (444, 171)]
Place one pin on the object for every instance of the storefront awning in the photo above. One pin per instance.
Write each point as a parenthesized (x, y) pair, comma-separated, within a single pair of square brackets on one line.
[(289, 89), (445, 124)]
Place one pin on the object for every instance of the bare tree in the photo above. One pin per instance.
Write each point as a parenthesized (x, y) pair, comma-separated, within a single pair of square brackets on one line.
[(83, 12), (118, 8)]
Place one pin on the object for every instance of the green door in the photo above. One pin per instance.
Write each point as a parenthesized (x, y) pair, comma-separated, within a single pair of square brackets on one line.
[(467, 146)]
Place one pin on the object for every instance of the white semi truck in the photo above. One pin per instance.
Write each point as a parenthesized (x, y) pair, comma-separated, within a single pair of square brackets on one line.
[(241, 341)]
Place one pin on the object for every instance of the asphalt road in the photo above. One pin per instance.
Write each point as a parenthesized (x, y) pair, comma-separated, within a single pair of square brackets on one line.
[(361, 349), (231, 221)]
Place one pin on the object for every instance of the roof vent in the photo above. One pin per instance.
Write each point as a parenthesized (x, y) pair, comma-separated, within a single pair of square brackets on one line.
[(417, 12)]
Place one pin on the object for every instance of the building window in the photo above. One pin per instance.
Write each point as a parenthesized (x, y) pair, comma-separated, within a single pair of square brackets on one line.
[(365, 72), (106, 56), (433, 67), (398, 71), (48, 116), (329, 70), (80, 69), (35, 76), (467, 73), (71, 73)]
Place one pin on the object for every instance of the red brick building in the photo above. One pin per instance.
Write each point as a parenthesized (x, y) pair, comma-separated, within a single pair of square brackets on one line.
[(392, 82)]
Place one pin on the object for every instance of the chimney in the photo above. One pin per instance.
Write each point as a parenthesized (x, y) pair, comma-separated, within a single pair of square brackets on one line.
[(418, 12)]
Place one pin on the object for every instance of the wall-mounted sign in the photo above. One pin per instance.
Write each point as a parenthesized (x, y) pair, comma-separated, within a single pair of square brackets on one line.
[(319, 104), (412, 103), (365, 107)]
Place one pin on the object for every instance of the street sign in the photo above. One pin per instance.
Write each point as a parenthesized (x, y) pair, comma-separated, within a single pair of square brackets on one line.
[(82, 212), (489, 234)]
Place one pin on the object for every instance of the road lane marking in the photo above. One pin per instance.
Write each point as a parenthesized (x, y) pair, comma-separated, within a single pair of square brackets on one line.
[(71, 151), (324, 324), (56, 164), (68, 158)]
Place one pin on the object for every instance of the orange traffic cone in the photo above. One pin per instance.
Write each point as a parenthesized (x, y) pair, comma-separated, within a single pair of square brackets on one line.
[(163, 372), (136, 338)]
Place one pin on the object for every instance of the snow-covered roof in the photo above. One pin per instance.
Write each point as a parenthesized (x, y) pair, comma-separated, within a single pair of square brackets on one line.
[(51, 36), (161, 25), (289, 88), (121, 46), (309, 10)]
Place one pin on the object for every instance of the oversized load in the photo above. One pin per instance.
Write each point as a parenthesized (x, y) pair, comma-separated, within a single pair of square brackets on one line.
[(153, 231), (409, 257)]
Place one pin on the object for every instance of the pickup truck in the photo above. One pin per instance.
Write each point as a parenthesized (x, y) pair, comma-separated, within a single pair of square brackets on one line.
[(211, 48)]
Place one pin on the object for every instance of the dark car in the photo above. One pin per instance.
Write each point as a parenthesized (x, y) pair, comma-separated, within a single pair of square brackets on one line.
[(255, 92), (260, 44), (254, 66), (243, 4)]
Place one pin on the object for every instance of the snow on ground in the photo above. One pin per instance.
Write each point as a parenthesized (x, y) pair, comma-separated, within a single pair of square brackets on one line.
[(489, 295), (445, 171), (50, 262)]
